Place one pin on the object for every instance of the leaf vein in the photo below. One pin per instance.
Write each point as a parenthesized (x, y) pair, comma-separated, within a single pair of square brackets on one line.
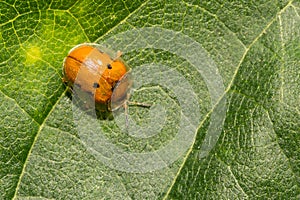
[(226, 91), (18, 105), (218, 19), (122, 21), (282, 150), (236, 181), (33, 143)]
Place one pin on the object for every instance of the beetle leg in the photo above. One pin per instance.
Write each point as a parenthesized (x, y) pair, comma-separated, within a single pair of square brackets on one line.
[(64, 80), (108, 105), (119, 54), (71, 89), (126, 115), (133, 103)]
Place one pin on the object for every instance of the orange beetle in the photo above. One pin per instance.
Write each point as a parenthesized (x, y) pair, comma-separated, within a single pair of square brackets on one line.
[(95, 72)]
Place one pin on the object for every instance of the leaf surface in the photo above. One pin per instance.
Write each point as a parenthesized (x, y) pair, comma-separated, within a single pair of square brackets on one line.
[(255, 46)]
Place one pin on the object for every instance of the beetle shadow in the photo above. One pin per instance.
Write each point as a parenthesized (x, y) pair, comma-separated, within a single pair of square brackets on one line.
[(85, 103), (103, 113)]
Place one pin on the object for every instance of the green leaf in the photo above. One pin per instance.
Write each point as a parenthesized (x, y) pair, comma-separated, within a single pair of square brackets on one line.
[(256, 49)]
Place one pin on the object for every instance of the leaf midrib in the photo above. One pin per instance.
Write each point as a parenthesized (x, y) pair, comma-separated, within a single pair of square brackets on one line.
[(34, 140)]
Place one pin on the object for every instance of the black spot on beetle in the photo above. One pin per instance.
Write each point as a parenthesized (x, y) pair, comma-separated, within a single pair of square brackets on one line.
[(96, 85), (109, 66)]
